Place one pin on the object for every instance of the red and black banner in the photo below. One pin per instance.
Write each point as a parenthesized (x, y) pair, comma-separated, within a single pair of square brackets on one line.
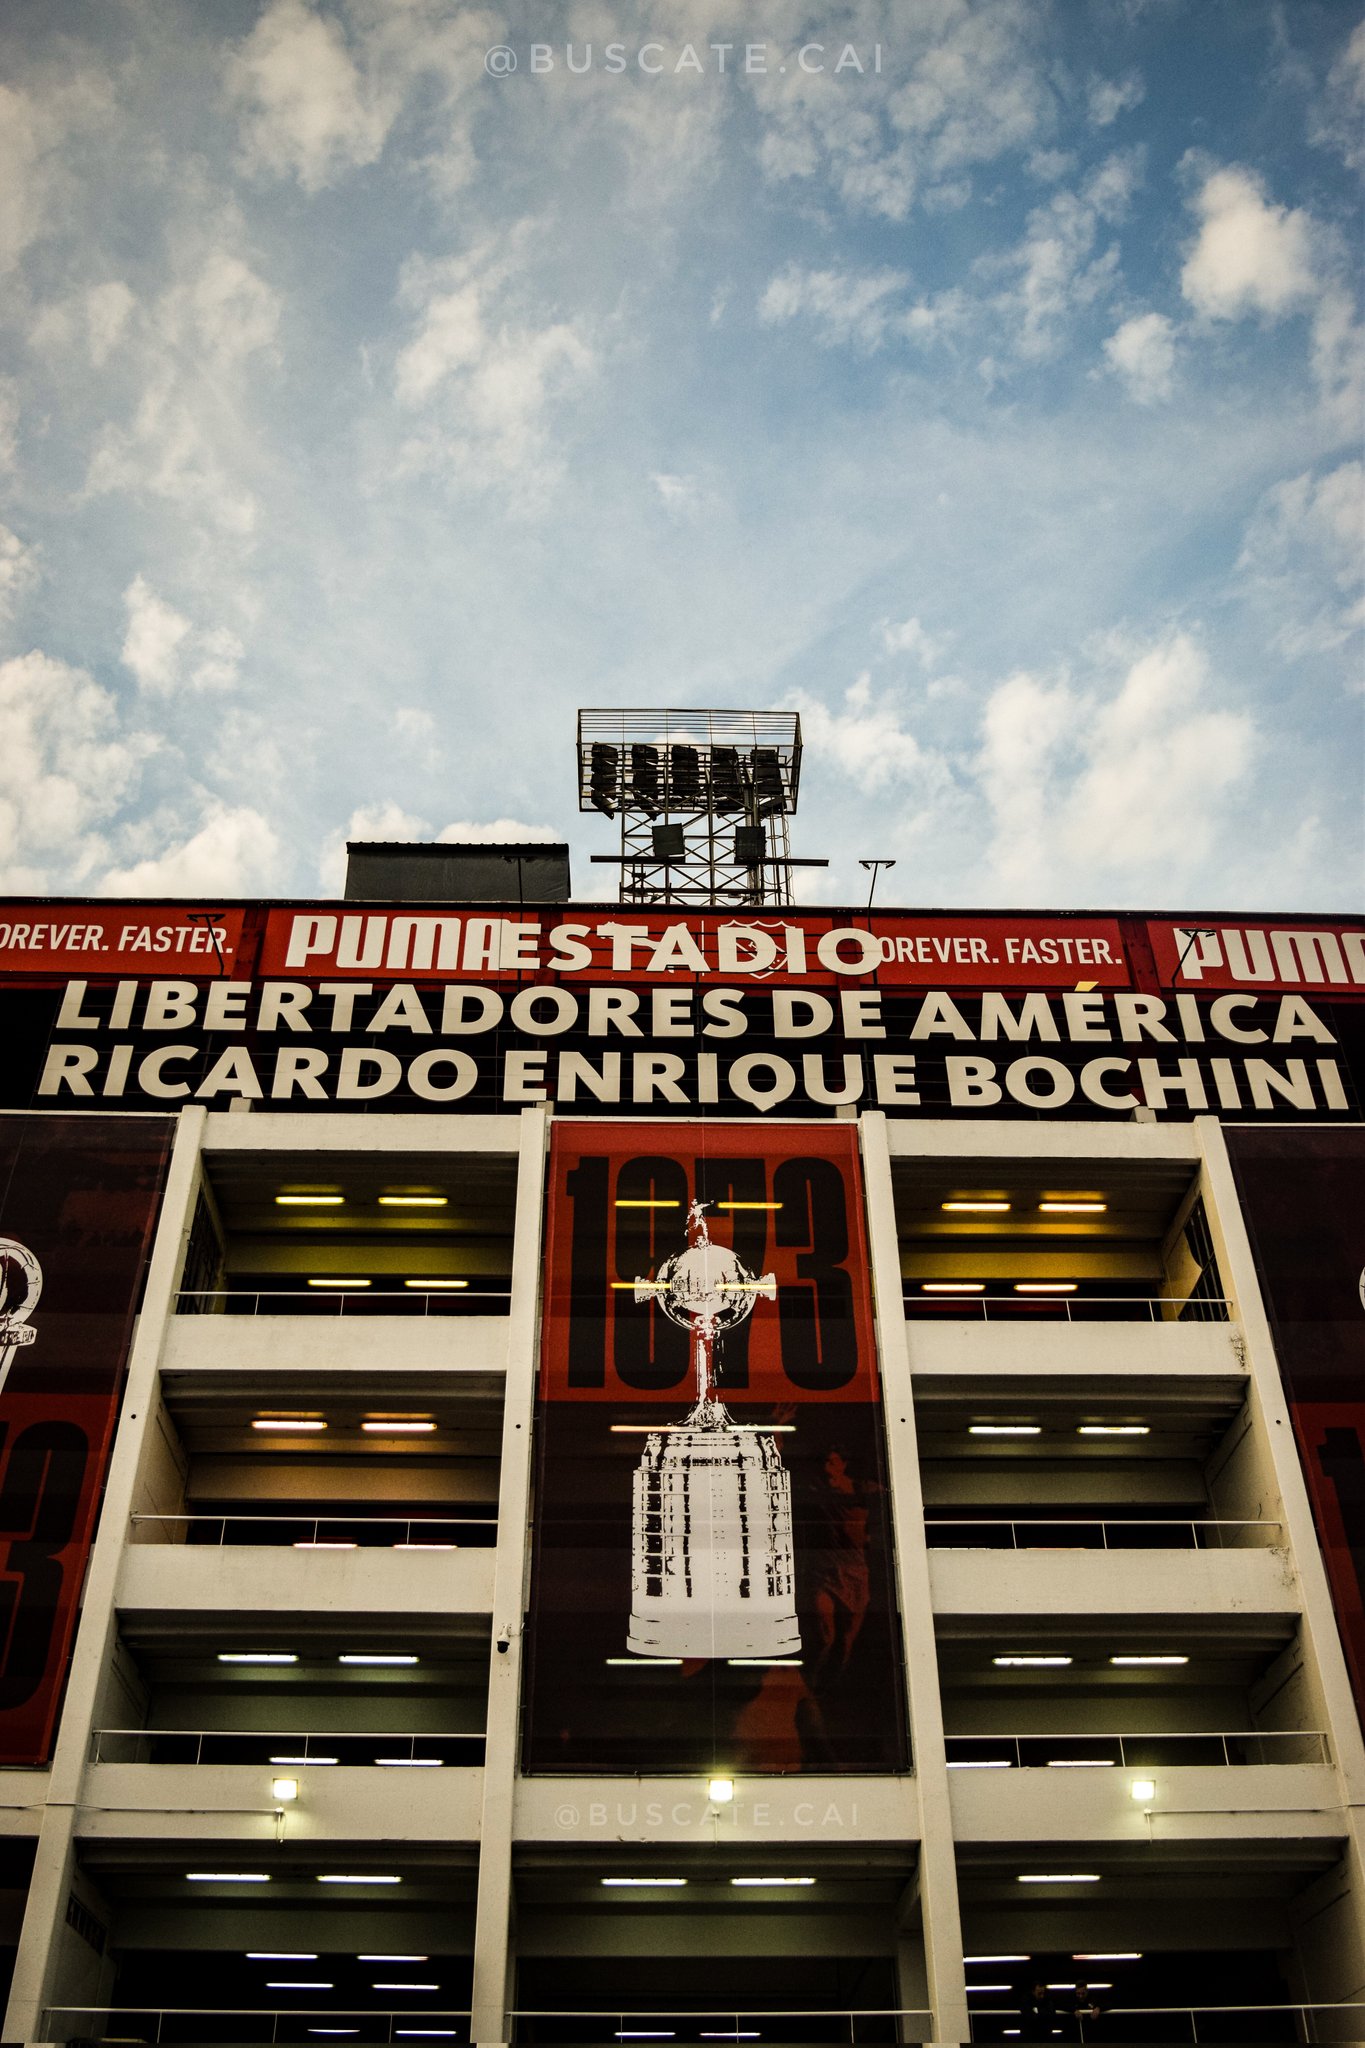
[(78, 1199), (712, 1568), (1303, 1196)]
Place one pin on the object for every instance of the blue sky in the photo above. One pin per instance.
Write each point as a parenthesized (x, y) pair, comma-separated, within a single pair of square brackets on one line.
[(984, 384)]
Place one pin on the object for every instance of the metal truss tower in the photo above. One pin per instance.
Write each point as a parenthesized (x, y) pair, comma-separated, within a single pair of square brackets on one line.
[(703, 799)]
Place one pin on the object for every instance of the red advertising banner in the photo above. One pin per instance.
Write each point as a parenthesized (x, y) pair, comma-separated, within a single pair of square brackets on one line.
[(1295, 955), (621, 944), (711, 1584), (1303, 1195), (100, 939), (78, 1199)]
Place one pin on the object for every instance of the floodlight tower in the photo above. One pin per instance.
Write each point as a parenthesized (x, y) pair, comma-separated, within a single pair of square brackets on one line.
[(703, 799)]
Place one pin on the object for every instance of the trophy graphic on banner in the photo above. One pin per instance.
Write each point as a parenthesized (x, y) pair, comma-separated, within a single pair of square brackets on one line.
[(712, 1526), (21, 1282)]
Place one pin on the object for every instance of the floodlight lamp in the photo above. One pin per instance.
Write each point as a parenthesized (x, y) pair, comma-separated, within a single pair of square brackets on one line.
[(720, 1791)]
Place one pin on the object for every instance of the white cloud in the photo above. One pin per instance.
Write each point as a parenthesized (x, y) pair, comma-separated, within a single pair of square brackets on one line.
[(9, 421), (909, 637), (166, 653), (1107, 98), (307, 112), (156, 632), (866, 738), (198, 370), (1303, 558), (97, 318), (1130, 786), (415, 725), (229, 311), (501, 832), (484, 377), (1142, 352), (1250, 256), (235, 852), (843, 306), (1058, 269), (65, 769), (22, 145), (1339, 120), (19, 572), (679, 495), (389, 821)]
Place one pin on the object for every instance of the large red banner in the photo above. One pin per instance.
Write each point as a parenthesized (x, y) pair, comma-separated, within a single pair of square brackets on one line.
[(1297, 954), (132, 939), (711, 1582), (78, 1199)]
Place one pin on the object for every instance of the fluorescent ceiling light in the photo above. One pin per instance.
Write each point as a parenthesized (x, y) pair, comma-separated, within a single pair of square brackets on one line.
[(296, 1760), (1076, 1208), (424, 1546), (952, 1287), (398, 1428), (297, 1984), (309, 1201), (1045, 1286), (748, 1205), (985, 1763), (629, 1663), (1081, 1763), (1061, 1877), (1004, 1429), (1149, 1660), (290, 1425), (226, 1877), (393, 1959), (350, 1877), (1113, 1429), (978, 1208), (381, 1657), (1106, 1955), (405, 1987), (257, 1657), (333, 2032), (281, 1955), (771, 1880), (989, 1987), (998, 1959), (644, 1883), (428, 1286), (323, 1280), (654, 1286), (316, 1543), (410, 1763), (413, 1201), (644, 1203), (766, 1663), (1029, 1661)]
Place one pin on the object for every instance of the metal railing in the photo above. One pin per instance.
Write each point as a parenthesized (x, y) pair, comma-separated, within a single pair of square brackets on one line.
[(1058, 1532), (1074, 1308), (340, 1301), (226, 2026), (823, 2027), (281, 1747), (1205, 2024), (1158, 1751), (322, 1532)]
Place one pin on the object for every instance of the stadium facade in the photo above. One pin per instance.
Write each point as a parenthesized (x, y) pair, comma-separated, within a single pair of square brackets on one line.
[(580, 1473)]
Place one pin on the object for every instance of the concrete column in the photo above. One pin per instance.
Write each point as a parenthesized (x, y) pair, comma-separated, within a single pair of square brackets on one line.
[(34, 1984), (493, 1951), (1270, 1418), (942, 1920)]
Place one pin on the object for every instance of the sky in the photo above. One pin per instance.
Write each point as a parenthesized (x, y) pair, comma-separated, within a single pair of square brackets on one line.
[(381, 381)]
